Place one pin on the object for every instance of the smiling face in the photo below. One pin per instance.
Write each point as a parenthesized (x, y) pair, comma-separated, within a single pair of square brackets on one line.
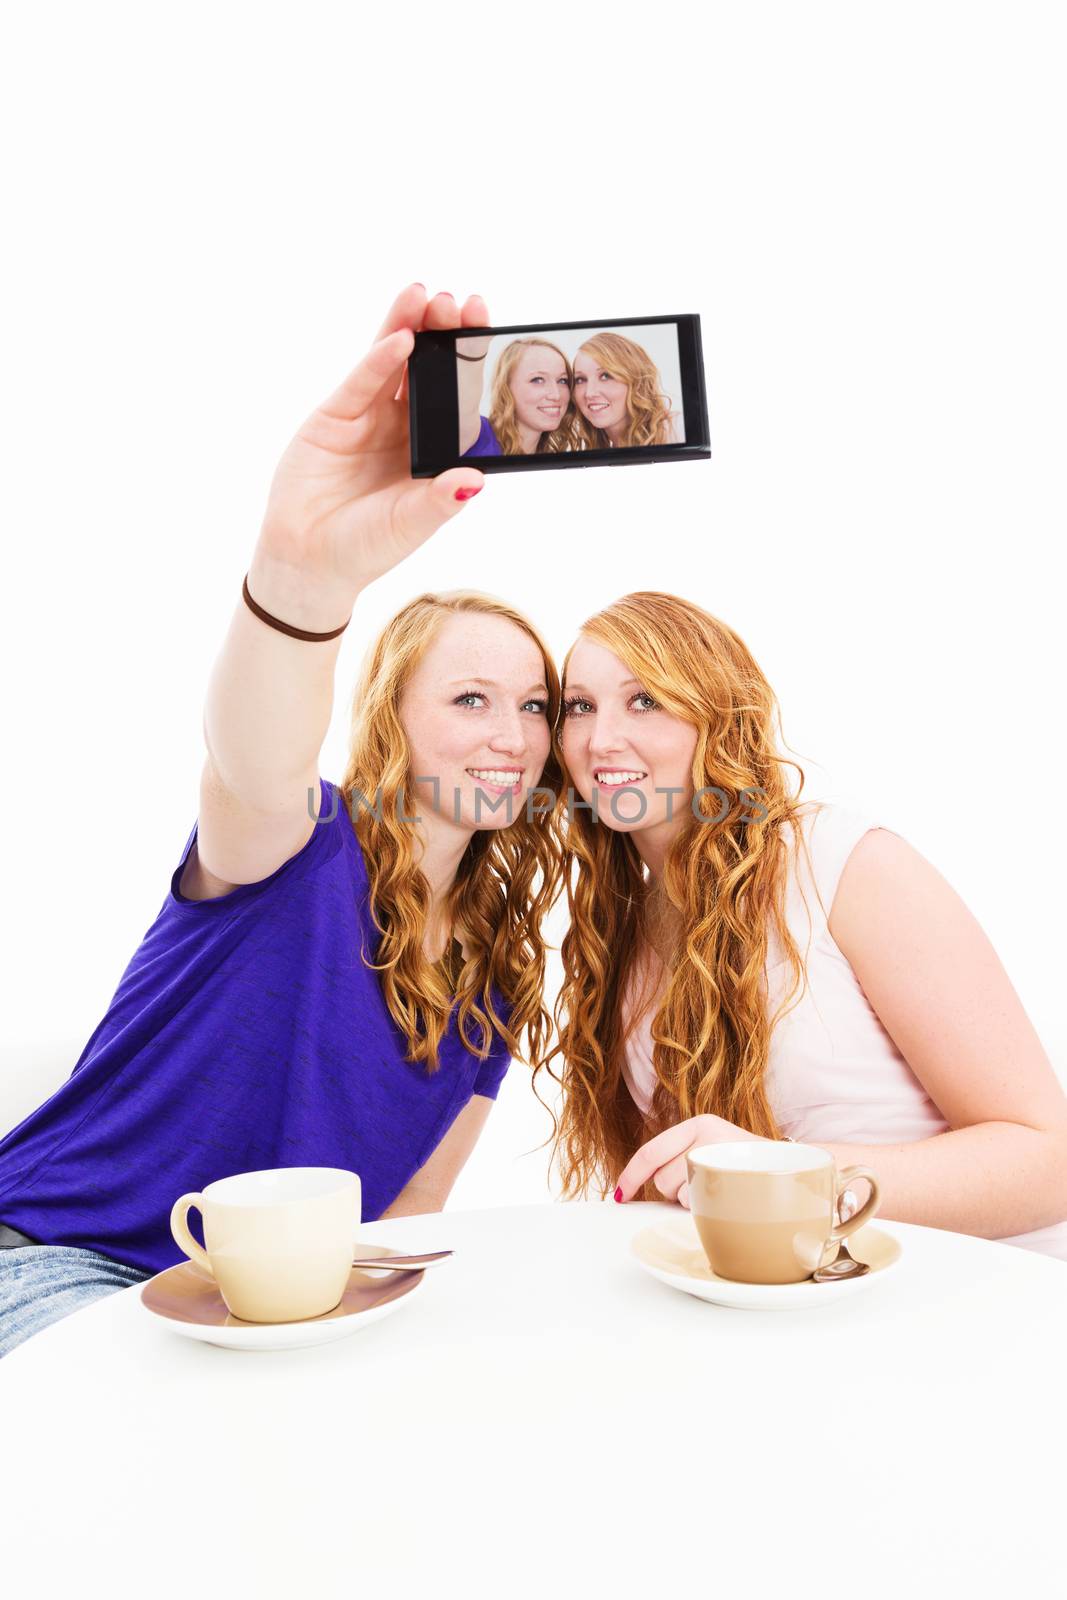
[(541, 388), (622, 747), (599, 397), (475, 711)]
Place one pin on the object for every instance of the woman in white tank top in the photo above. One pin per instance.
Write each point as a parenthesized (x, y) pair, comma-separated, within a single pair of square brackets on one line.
[(740, 964)]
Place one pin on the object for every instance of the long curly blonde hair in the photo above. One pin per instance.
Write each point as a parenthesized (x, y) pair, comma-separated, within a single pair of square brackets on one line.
[(648, 410), (507, 877), (725, 878), (502, 412)]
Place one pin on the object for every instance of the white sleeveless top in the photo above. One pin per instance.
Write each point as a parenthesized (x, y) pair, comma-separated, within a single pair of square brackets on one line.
[(834, 1075)]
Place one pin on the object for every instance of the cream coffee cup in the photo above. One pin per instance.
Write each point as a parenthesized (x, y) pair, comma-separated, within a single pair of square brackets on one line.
[(765, 1208), (279, 1242)]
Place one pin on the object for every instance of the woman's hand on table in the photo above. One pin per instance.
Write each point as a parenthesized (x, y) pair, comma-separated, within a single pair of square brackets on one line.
[(343, 506), (662, 1159)]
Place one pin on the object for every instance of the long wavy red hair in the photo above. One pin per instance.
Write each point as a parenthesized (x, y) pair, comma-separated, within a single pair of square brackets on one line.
[(726, 879), (503, 413), (648, 411), (507, 878)]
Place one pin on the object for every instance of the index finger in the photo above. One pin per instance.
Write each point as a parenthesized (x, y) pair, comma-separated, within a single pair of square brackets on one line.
[(406, 311), (382, 364), (474, 313), (646, 1161)]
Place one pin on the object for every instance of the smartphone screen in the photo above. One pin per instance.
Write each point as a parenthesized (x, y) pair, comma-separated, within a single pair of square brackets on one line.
[(565, 394)]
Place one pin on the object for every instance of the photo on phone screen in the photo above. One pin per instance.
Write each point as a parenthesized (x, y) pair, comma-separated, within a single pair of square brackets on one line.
[(567, 394)]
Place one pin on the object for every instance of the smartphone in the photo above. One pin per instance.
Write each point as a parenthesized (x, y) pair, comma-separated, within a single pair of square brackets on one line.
[(558, 394)]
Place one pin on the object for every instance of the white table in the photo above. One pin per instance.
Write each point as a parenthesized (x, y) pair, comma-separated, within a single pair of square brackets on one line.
[(546, 1419)]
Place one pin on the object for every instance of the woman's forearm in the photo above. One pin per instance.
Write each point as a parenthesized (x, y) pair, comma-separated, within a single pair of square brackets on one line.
[(343, 510), (270, 696), (993, 1179)]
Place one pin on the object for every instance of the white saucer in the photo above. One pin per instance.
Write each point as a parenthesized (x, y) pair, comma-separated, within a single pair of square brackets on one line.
[(672, 1253), (187, 1299)]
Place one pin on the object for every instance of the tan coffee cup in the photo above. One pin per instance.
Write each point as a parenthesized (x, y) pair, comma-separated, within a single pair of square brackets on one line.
[(279, 1242), (765, 1208)]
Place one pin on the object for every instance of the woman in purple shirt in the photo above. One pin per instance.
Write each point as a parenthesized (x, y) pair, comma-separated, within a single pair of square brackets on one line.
[(339, 973), (530, 407)]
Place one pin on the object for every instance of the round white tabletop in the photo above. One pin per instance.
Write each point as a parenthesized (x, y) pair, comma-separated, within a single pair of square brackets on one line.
[(545, 1418)]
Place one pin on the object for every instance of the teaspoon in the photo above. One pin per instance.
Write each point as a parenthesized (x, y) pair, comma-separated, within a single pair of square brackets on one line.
[(407, 1263), (842, 1266)]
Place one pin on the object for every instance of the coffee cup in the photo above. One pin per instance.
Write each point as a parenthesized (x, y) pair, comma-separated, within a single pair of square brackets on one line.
[(279, 1242), (765, 1209)]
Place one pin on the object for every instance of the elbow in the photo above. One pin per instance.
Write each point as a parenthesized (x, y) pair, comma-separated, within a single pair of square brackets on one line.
[(1058, 1136), (1045, 1179)]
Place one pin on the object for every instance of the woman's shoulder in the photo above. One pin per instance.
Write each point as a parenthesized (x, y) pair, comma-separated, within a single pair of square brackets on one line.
[(830, 831), (487, 443), (826, 820), (321, 846)]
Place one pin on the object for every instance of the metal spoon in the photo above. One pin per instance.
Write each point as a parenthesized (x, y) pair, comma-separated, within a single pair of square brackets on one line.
[(842, 1266), (402, 1263)]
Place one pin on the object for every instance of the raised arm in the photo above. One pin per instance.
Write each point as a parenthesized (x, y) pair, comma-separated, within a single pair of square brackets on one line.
[(343, 509), (470, 381)]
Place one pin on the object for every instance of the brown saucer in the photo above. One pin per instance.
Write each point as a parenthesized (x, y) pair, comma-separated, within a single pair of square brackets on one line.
[(672, 1252), (189, 1302)]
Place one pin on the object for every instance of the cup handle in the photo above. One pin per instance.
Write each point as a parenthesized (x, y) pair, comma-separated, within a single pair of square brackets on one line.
[(866, 1211), (179, 1227)]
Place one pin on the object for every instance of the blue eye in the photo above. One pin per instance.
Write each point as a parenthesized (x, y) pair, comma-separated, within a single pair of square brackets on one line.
[(537, 705), (570, 706)]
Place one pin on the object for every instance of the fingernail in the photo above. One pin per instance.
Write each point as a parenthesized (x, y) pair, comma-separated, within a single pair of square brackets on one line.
[(468, 494), (447, 294), (418, 285), (618, 1194)]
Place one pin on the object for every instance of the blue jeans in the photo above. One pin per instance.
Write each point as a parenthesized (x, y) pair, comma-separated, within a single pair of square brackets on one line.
[(41, 1283)]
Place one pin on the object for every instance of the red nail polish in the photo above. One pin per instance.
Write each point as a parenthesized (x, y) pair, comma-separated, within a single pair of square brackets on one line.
[(618, 1194), (468, 494)]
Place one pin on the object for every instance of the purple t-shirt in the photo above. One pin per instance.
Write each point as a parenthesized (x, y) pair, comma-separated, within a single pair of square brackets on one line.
[(245, 1033), (486, 444)]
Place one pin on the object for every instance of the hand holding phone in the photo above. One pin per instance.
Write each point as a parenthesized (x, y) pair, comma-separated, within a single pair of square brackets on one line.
[(343, 508)]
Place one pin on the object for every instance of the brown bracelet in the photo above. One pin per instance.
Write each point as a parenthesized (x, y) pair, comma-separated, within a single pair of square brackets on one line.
[(284, 627)]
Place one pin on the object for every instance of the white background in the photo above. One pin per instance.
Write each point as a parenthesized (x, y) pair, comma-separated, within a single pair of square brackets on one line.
[(208, 211)]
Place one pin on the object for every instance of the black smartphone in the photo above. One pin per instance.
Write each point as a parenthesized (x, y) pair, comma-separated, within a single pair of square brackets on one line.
[(558, 394)]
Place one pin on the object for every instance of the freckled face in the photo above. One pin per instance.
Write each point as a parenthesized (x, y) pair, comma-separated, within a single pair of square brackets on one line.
[(620, 745), (600, 398), (541, 388), (475, 711)]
